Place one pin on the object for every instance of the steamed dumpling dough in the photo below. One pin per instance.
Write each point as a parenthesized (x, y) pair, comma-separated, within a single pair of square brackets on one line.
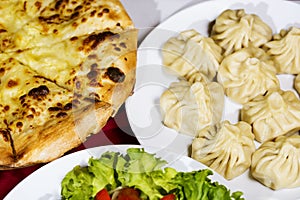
[(297, 83), (285, 50), (188, 107), (190, 52), (274, 114), (246, 74), (235, 29), (226, 148), (276, 164)]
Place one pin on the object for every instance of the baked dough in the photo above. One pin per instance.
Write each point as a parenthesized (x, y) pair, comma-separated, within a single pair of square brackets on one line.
[(62, 20), (65, 68)]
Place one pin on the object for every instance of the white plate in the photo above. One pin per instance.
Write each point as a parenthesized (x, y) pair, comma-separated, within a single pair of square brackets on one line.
[(44, 184), (143, 106)]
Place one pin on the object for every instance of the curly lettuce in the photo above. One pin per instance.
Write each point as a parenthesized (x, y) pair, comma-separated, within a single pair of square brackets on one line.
[(145, 172)]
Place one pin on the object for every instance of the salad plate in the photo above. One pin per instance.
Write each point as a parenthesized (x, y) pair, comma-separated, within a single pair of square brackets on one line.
[(45, 183), (143, 109)]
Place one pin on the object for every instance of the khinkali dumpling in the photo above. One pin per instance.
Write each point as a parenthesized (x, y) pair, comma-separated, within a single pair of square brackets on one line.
[(226, 148), (276, 164), (246, 74), (285, 50), (297, 83), (190, 106), (274, 114), (235, 29), (189, 52)]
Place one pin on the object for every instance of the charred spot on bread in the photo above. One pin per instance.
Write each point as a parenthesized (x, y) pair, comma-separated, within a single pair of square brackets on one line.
[(105, 10), (19, 124), (74, 38), (58, 4), (50, 19), (6, 108), (68, 106), (95, 39), (92, 74), (123, 45), (12, 83), (37, 4), (61, 115), (117, 49), (39, 92), (94, 83), (5, 135), (78, 8), (92, 56), (2, 71), (30, 116), (54, 109), (115, 74)]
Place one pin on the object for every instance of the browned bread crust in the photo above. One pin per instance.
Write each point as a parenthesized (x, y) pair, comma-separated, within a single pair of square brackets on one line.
[(83, 56), (60, 135)]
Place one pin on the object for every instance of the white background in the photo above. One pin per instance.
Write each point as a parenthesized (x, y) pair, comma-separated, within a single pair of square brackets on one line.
[(146, 14)]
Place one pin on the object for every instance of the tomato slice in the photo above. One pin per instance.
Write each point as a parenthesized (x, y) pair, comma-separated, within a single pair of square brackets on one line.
[(102, 195), (129, 194), (169, 197)]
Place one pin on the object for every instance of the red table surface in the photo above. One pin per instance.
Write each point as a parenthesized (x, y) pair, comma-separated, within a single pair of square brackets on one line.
[(116, 131)]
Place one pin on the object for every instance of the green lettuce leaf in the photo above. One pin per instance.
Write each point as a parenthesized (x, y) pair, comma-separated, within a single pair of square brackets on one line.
[(84, 182), (77, 184), (103, 171), (143, 171), (196, 185), (137, 172)]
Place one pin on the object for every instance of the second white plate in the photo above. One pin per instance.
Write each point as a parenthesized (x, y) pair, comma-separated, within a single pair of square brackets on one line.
[(143, 107), (45, 183)]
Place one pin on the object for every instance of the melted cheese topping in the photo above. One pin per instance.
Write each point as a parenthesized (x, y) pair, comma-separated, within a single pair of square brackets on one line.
[(26, 95)]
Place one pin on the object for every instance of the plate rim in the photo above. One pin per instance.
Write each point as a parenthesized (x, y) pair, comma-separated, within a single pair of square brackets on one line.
[(11, 194), (207, 3)]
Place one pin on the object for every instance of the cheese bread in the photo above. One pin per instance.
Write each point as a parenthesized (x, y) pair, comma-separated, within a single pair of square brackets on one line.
[(65, 68)]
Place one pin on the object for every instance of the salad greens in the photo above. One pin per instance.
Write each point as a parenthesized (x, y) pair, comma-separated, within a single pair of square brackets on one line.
[(142, 171)]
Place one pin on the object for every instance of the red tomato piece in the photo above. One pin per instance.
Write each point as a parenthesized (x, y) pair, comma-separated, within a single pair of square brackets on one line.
[(129, 194), (102, 195), (169, 197)]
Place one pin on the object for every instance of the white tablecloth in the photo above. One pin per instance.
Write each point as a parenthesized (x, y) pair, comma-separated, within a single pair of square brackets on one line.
[(146, 14)]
